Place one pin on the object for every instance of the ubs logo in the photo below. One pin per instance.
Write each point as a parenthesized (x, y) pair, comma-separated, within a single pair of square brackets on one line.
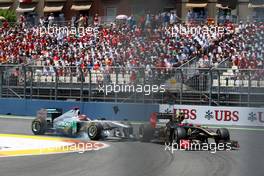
[(258, 116)]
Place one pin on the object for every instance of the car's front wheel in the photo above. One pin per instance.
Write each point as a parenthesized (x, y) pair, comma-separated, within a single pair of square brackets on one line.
[(222, 135), (95, 131)]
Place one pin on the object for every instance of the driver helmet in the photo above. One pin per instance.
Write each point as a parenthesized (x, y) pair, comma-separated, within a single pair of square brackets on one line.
[(83, 117)]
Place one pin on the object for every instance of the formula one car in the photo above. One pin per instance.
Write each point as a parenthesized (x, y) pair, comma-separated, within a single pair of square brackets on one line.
[(166, 127), (72, 124)]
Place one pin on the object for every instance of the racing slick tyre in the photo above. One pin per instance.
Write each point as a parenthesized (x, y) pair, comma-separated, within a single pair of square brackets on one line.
[(94, 131), (39, 126), (179, 133), (223, 134), (146, 132)]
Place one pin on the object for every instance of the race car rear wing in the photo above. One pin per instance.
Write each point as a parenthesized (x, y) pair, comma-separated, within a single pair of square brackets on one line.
[(157, 117)]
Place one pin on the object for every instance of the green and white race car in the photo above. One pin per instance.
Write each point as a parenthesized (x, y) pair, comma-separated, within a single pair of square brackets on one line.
[(72, 124)]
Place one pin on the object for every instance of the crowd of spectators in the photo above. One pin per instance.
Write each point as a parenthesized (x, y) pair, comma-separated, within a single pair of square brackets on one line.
[(146, 42), (132, 44), (243, 49)]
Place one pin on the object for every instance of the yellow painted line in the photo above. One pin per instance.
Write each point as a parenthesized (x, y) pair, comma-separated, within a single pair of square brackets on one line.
[(73, 146), (34, 137)]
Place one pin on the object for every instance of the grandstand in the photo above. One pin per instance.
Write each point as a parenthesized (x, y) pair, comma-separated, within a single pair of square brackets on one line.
[(224, 69)]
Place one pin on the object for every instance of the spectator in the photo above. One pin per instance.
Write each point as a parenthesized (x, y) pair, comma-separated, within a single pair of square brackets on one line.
[(145, 43), (51, 19)]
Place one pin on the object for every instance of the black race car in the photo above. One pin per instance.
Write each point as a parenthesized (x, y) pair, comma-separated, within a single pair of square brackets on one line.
[(168, 128)]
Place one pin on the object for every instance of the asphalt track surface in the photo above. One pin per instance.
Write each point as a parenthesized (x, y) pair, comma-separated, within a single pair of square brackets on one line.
[(133, 158)]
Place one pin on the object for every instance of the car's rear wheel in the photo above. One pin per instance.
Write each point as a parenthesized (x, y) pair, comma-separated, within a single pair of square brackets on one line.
[(179, 133), (95, 131), (39, 126)]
